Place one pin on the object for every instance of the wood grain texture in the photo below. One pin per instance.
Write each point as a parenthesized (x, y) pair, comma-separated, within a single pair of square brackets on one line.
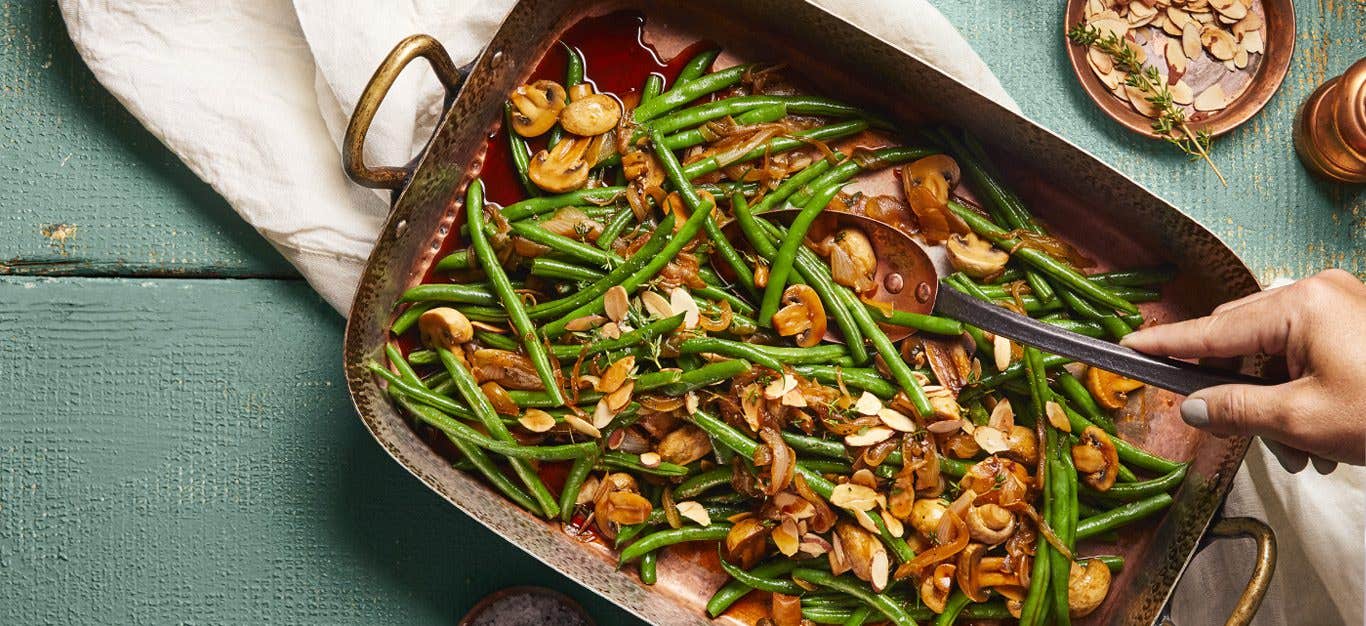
[(176, 451), (87, 190), (1278, 218)]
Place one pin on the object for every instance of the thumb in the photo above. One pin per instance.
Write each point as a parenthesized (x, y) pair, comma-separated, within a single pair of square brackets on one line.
[(1242, 410)]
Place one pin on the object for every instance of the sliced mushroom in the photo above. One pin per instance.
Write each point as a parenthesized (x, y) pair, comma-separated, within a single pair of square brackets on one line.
[(852, 260), (564, 167), (685, 444), (745, 542), (1096, 459), (802, 316), (861, 548), (975, 256), (444, 327), (1109, 388), (990, 524), (1087, 586), (536, 107), (938, 172), (935, 589), (591, 115), (969, 567), (1021, 445)]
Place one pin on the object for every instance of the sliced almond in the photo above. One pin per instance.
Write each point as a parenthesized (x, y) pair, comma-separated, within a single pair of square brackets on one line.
[(1001, 351), (1212, 99), (795, 398), (1057, 416), (944, 427), (1240, 57), (694, 511), (868, 404), (1116, 26), (1139, 99), (1176, 57), (869, 436), (681, 302), (617, 400), (1232, 9), (1252, 42), (896, 420), (1219, 43), (610, 330), (650, 459), (854, 497), (536, 421), (866, 521), (616, 302), (616, 374), (785, 537), (656, 305), (879, 570), (1002, 416), (1190, 40), (1250, 24), (1093, 8), (779, 388), (602, 414), (1181, 92), (1178, 17), (990, 439), (581, 426), (587, 322), (1100, 62)]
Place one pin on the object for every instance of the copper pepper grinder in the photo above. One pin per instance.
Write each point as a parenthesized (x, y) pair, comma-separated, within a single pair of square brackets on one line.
[(1330, 134)]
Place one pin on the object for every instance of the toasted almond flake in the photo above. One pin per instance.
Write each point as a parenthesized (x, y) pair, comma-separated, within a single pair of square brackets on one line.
[(853, 497), (814, 545), (1178, 17), (588, 491), (1181, 92), (616, 302), (1240, 58), (1139, 99), (794, 398), (1057, 416), (1176, 58), (864, 477), (866, 521), (656, 305), (1001, 350), (581, 426), (869, 436), (1212, 99), (894, 525), (1118, 26), (1100, 62), (880, 569), (681, 301), (610, 330), (617, 400), (587, 322), (1252, 42), (991, 440), (944, 427), (1190, 40), (1248, 25), (690, 401), (536, 421), (1094, 8), (896, 420), (485, 326), (694, 511), (868, 404), (1002, 416), (649, 459), (1231, 9), (750, 401), (779, 387), (785, 537), (602, 414), (616, 374), (1221, 44)]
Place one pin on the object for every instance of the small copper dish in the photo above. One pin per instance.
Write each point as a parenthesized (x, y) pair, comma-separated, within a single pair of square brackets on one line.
[(1251, 87)]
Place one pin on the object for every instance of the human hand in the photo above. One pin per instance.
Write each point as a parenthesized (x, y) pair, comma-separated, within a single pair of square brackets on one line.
[(1319, 324)]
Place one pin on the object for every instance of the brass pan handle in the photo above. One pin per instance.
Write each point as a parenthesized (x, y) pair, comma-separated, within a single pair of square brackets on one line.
[(1262, 569), (353, 145)]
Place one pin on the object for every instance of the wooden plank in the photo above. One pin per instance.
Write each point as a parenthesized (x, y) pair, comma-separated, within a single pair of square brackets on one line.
[(178, 451), (1281, 221), (87, 190)]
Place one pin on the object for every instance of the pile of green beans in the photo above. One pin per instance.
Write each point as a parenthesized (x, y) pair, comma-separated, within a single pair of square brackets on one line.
[(638, 359)]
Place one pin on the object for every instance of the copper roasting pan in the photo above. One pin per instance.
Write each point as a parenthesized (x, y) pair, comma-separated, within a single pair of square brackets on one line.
[(1097, 208)]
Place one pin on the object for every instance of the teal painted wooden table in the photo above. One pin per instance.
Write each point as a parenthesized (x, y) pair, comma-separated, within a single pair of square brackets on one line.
[(178, 447)]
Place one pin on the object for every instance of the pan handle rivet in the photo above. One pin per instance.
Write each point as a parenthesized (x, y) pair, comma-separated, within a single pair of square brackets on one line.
[(894, 283), (922, 292)]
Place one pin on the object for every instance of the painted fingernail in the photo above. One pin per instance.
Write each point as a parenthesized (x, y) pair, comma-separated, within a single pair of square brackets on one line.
[(1195, 412)]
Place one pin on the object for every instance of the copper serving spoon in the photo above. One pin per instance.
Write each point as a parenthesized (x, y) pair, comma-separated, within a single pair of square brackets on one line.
[(908, 281)]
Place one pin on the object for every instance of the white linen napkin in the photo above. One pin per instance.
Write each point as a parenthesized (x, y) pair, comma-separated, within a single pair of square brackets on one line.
[(254, 95)]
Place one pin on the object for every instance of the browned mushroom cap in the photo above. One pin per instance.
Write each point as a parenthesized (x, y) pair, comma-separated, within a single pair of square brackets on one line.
[(1096, 459), (969, 565), (802, 316), (974, 255), (591, 115), (536, 107), (852, 260), (564, 167), (1109, 388), (1023, 445), (609, 503), (926, 514), (939, 173), (935, 589), (1087, 585), (685, 444), (862, 551), (990, 524), (444, 327), (745, 542)]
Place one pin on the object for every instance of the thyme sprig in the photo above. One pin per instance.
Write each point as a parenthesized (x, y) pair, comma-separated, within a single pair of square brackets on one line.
[(1170, 123)]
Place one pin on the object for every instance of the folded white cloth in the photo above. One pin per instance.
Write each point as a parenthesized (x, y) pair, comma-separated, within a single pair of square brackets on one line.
[(253, 95)]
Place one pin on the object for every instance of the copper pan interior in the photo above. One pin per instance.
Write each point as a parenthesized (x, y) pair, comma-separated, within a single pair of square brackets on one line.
[(1105, 214)]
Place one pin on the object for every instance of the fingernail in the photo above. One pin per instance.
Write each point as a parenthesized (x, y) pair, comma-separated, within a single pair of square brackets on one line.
[(1195, 412)]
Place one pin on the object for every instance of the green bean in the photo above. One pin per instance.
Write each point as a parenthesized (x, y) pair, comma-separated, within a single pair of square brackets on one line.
[(547, 267), (891, 357), (797, 105), (743, 275), (1040, 260), (706, 375), (733, 349), (1129, 492), (567, 246), (859, 616), (873, 160), (732, 591), (648, 568), (573, 75), (683, 93), (793, 184), (654, 84), (1080, 397), (778, 145), (544, 204), (483, 410), (696, 136), (933, 324), (512, 302), (862, 379), (697, 66), (952, 608), (1090, 329), (815, 445), (1136, 278), (632, 462), (1128, 453), (1121, 516), (1112, 324), (670, 537), (573, 484), (442, 292), (568, 307), (781, 266), (521, 154), (1059, 483), (515, 451), (889, 608), (995, 610), (1016, 370), (717, 294), (619, 223), (458, 260), (1115, 563), (698, 484), (423, 395), (409, 316), (771, 585), (1132, 294)]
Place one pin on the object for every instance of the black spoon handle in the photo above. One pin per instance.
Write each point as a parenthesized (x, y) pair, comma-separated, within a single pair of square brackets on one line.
[(1179, 376)]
